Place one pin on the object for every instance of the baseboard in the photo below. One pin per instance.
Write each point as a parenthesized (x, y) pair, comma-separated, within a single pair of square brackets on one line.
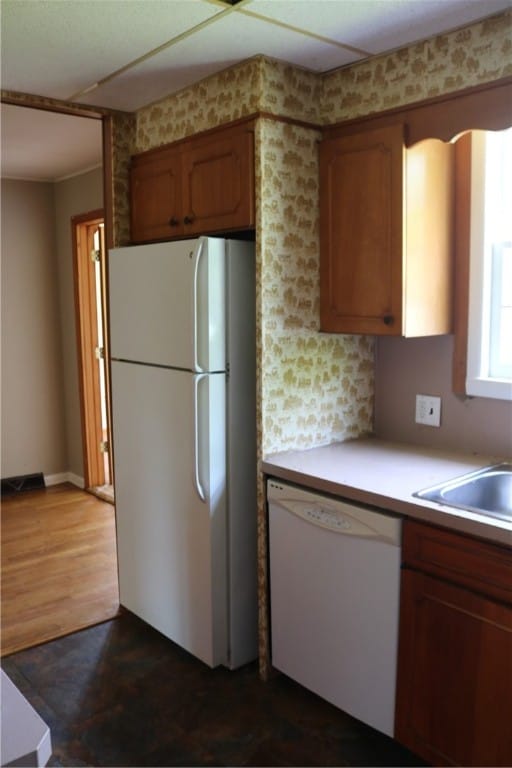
[(61, 477), (76, 480), (64, 477)]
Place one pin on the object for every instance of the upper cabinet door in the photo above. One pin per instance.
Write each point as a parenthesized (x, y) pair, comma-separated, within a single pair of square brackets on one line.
[(361, 200), (155, 189), (218, 182), (386, 234)]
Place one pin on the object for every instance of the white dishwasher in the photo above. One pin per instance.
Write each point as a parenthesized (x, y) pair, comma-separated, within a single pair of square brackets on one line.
[(334, 599)]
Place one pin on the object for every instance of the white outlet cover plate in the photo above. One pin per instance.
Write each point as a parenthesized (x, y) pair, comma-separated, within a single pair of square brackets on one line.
[(428, 410)]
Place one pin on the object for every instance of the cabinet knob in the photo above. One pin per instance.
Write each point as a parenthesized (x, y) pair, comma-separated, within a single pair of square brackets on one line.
[(174, 222), (388, 319), (188, 219)]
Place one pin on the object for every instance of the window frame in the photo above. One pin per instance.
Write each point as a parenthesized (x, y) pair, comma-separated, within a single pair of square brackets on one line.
[(478, 383)]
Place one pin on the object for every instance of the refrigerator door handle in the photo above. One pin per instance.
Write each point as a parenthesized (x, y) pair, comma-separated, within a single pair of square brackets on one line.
[(197, 479), (195, 303)]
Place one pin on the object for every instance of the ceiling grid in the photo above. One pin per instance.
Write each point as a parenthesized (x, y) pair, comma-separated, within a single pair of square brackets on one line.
[(127, 54)]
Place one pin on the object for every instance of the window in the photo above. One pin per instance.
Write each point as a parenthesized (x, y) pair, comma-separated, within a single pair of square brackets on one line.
[(489, 371)]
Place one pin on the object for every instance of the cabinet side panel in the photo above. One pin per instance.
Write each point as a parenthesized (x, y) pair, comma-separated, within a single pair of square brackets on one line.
[(462, 226), (429, 238), (242, 460)]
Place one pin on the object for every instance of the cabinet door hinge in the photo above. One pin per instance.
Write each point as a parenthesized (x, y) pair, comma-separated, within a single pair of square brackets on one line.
[(95, 255), (104, 446), (100, 353)]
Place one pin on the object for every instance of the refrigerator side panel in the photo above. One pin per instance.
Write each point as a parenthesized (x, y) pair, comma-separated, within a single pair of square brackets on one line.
[(166, 535), (242, 456), (166, 304)]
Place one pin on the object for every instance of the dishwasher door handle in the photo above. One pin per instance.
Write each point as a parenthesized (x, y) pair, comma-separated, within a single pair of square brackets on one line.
[(345, 519)]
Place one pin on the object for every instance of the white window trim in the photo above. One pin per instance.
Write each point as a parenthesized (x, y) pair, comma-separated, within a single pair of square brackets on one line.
[(479, 310)]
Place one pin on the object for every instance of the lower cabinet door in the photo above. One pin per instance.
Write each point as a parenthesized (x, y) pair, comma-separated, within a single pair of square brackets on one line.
[(454, 689)]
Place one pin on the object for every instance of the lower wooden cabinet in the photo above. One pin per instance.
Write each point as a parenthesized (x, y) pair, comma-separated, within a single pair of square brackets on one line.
[(454, 688)]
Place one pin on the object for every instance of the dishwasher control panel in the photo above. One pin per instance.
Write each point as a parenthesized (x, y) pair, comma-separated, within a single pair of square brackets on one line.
[(326, 517), (335, 514)]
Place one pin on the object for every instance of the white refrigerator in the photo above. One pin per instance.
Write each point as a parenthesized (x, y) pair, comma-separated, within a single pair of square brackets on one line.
[(182, 346)]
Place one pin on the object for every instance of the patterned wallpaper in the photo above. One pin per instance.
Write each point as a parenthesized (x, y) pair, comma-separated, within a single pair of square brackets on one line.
[(470, 56), (256, 85), (315, 388), (123, 140), (226, 96), (289, 91)]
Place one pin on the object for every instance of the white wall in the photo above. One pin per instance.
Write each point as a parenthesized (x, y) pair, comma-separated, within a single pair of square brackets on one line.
[(77, 195), (407, 367), (41, 425), (33, 428)]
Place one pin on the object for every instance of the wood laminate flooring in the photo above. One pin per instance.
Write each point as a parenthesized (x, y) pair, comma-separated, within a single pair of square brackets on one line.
[(58, 565)]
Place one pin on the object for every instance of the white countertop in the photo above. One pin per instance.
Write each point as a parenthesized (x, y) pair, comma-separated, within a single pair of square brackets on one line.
[(385, 475)]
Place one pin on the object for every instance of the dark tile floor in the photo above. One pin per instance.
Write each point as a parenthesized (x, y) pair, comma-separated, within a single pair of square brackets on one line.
[(120, 694)]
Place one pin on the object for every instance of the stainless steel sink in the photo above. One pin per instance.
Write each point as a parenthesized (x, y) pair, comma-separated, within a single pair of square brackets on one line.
[(487, 491)]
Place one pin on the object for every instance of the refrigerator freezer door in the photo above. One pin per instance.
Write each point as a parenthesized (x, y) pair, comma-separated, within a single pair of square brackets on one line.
[(168, 432), (167, 304)]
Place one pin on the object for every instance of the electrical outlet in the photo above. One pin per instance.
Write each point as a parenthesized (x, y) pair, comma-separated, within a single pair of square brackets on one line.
[(428, 410)]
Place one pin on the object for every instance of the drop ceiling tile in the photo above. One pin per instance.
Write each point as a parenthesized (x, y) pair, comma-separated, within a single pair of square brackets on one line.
[(56, 49), (326, 18), (45, 146), (149, 82), (377, 25), (228, 40), (258, 36)]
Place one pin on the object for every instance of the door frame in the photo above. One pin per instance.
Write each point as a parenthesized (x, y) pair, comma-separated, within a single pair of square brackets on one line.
[(83, 226)]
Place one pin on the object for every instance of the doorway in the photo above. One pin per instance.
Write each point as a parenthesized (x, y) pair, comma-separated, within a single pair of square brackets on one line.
[(92, 344)]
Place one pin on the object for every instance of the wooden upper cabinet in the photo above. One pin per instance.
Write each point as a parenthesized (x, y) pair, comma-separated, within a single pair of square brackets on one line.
[(386, 228), (155, 187), (218, 182), (202, 185)]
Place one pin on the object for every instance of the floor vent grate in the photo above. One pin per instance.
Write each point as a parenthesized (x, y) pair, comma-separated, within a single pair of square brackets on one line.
[(12, 485)]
